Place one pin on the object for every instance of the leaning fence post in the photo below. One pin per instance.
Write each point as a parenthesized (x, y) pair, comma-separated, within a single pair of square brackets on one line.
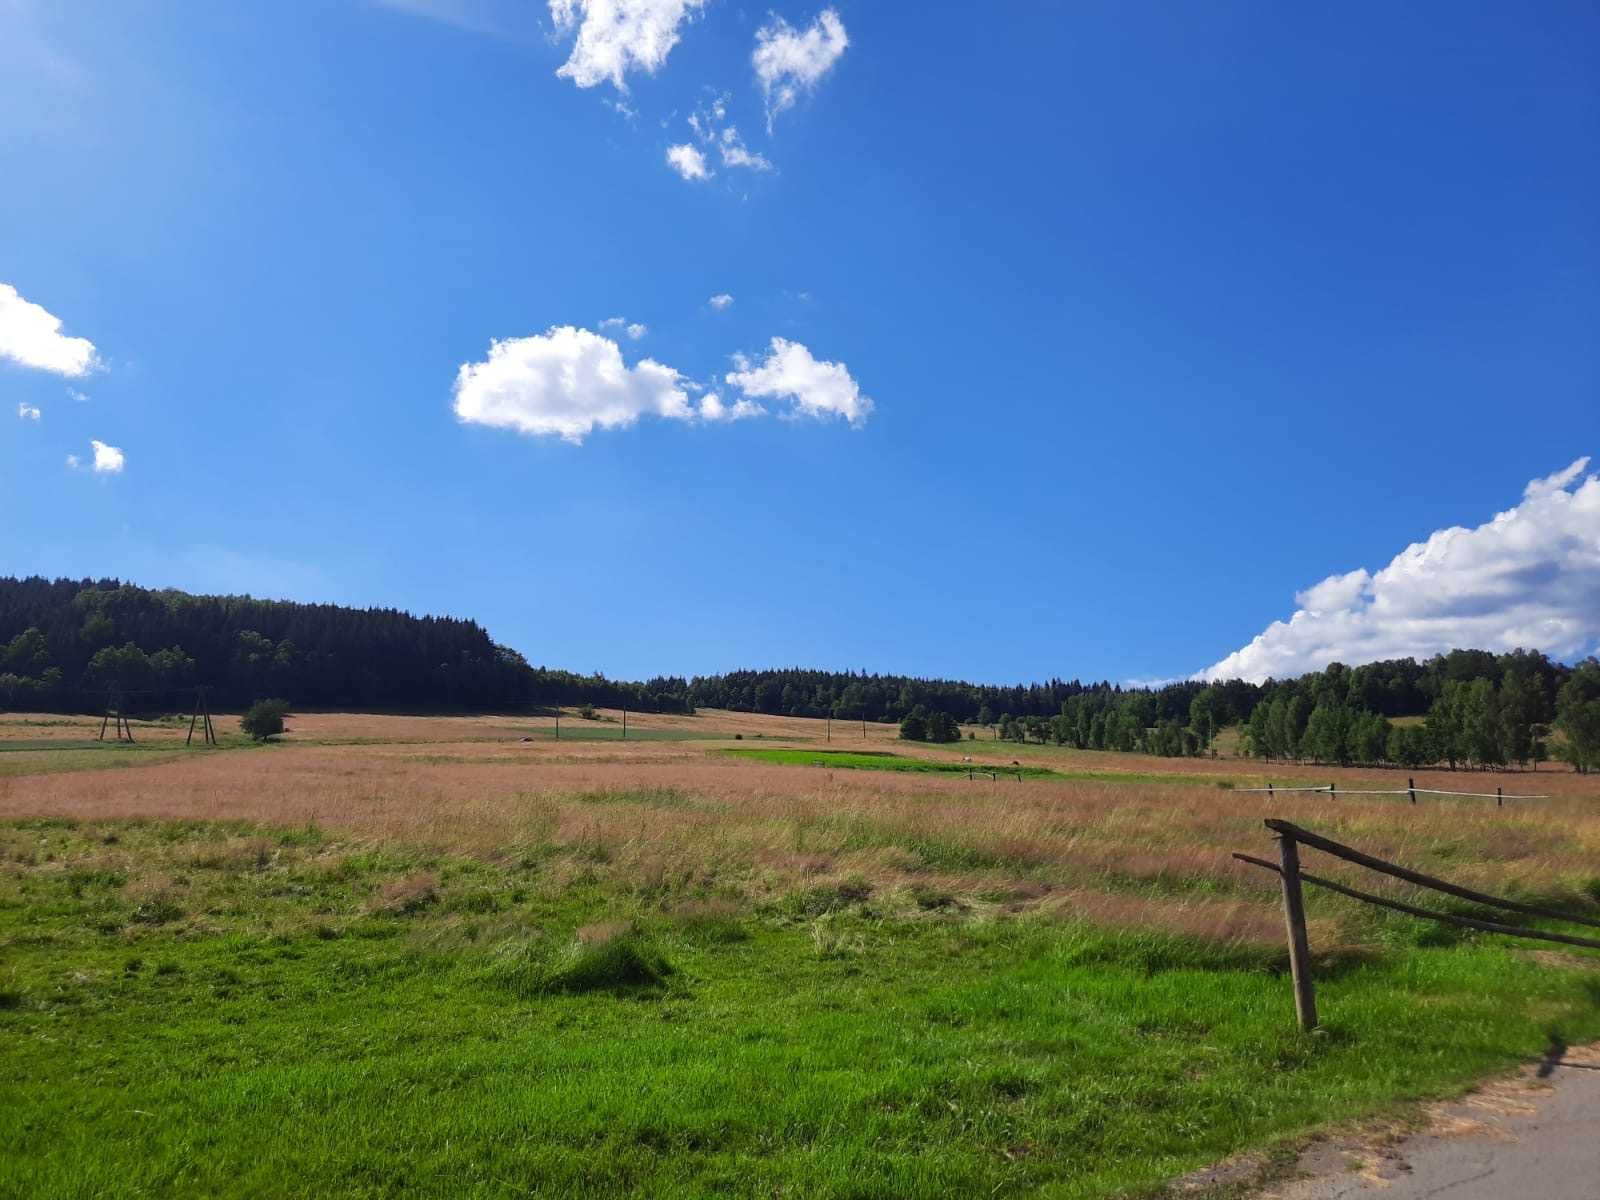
[(1411, 787), (1294, 915), (1333, 790)]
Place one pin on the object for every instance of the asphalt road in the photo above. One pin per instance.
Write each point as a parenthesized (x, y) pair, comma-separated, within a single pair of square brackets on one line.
[(1535, 1136)]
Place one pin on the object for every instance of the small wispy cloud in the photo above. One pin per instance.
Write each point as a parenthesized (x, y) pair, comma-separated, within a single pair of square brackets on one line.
[(28, 412), (736, 154), (712, 408), (721, 301), (688, 161), (634, 329), (789, 62)]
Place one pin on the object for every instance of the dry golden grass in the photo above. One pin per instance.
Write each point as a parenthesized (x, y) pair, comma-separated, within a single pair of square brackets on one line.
[(659, 817)]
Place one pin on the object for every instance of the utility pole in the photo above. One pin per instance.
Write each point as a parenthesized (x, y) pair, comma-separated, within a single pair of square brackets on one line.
[(208, 732)]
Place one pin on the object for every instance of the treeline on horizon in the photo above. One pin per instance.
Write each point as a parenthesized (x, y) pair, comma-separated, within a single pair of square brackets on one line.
[(81, 645)]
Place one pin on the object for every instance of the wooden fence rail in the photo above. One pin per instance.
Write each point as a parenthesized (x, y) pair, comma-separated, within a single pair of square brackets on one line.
[(1411, 790), (1291, 876)]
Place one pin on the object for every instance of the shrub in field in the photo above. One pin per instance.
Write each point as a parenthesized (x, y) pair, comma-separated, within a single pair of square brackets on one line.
[(264, 719), (922, 726), (586, 711)]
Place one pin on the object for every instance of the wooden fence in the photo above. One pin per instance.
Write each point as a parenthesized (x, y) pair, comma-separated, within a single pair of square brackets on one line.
[(1292, 837), (1411, 789)]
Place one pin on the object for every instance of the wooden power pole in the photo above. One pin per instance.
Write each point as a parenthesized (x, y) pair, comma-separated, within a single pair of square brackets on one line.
[(202, 717)]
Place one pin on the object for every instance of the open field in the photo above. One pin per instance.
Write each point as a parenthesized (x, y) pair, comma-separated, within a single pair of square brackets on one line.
[(447, 961)]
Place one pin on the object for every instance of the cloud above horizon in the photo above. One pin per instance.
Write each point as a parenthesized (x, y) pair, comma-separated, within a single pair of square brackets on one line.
[(617, 36), (634, 329), (567, 382), (687, 161), (789, 62), (814, 387), (31, 336), (28, 412), (1529, 578), (108, 460)]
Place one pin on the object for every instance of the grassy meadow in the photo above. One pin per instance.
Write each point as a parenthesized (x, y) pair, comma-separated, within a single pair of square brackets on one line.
[(421, 956)]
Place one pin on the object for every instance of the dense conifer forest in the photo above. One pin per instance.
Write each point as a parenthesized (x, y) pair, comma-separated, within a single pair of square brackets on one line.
[(81, 645)]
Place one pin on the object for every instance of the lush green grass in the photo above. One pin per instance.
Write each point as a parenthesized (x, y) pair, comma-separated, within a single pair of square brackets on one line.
[(885, 760), (52, 756), (202, 1010), (875, 760), (579, 730)]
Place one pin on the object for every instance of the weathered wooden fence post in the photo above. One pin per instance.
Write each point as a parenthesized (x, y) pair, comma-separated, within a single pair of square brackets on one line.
[(1411, 788), (1294, 916), (1499, 797)]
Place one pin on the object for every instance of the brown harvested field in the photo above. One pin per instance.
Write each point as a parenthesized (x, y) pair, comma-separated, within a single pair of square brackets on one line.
[(1149, 848)]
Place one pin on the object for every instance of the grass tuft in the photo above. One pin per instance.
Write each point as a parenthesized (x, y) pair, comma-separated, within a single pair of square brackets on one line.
[(711, 922), (614, 957)]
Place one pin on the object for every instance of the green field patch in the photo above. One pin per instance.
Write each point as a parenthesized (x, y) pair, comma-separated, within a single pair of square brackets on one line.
[(880, 760), (887, 760), (579, 730), (56, 756), (278, 1011)]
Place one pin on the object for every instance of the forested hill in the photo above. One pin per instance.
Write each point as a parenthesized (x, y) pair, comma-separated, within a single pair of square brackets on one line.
[(80, 644)]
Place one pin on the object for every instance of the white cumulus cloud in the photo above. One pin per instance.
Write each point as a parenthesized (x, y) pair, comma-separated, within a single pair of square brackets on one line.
[(815, 388), (1528, 578), (789, 61), (32, 336), (566, 383), (687, 161), (108, 460), (616, 36), (721, 301), (28, 412)]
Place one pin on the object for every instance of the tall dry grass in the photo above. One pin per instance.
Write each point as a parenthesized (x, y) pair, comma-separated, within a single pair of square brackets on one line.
[(671, 818)]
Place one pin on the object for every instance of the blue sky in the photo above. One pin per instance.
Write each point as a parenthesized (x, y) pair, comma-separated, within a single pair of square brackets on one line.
[(1086, 339)]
